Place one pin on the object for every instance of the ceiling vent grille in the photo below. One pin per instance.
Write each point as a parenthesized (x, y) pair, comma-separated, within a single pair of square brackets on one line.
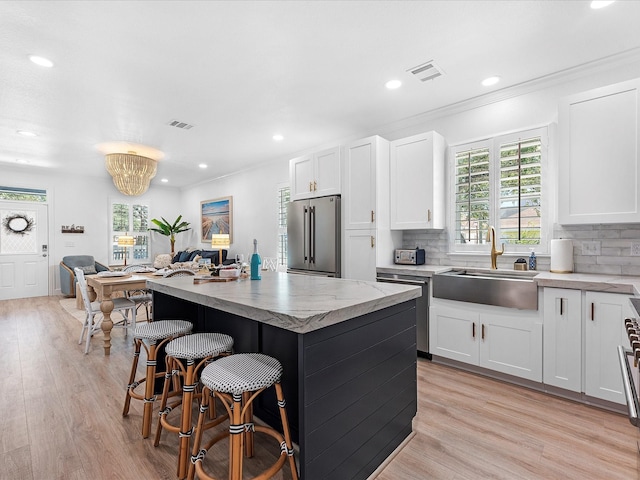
[(179, 124), (426, 71)]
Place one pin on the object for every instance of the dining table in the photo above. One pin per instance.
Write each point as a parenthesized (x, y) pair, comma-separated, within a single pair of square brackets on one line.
[(102, 288)]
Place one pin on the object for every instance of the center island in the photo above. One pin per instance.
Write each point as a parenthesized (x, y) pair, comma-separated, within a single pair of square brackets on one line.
[(348, 349)]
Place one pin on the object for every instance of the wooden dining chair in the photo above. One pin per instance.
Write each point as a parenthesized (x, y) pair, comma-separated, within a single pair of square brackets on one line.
[(94, 316), (140, 297)]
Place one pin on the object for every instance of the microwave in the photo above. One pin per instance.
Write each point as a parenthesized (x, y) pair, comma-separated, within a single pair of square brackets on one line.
[(409, 257)]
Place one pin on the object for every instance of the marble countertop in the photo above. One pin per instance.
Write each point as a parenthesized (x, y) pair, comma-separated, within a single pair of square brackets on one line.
[(300, 303), (590, 281), (577, 281), (418, 270)]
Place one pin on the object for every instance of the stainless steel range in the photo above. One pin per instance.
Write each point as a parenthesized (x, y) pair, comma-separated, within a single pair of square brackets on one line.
[(630, 369)]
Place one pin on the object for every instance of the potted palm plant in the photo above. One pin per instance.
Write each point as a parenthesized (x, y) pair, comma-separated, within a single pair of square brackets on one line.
[(170, 229)]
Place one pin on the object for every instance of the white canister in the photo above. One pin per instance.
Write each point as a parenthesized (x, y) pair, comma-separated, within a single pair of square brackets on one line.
[(561, 255)]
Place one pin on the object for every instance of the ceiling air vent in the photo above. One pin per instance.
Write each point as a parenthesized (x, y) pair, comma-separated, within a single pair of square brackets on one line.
[(426, 71), (179, 124)]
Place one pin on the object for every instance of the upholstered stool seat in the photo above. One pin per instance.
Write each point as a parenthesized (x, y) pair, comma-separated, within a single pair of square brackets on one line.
[(204, 347), (243, 373), (155, 334), (237, 380)]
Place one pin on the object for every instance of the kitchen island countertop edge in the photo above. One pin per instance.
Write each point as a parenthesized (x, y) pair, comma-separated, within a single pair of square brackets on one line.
[(299, 303)]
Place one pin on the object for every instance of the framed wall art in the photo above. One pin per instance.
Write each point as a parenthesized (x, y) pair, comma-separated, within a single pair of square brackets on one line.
[(216, 216)]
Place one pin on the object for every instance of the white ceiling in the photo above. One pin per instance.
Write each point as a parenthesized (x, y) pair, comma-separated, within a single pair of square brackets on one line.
[(242, 71)]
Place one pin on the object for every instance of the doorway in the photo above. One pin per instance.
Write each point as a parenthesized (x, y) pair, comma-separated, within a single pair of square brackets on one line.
[(24, 250)]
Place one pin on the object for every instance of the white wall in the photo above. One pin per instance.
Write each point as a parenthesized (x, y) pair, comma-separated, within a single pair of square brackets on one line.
[(254, 207), (85, 201)]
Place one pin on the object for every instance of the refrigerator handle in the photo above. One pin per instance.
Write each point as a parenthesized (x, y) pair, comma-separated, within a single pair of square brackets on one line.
[(305, 228), (312, 234)]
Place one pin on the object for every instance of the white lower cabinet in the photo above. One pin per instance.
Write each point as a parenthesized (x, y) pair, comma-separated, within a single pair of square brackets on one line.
[(562, 352), (453, 333), (604, 315), (360, 255), (582, 330), (501, 339)]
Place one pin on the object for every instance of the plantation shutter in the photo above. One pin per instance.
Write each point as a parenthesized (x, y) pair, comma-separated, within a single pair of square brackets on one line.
[(520, 187), (284, 194), (472, 190)]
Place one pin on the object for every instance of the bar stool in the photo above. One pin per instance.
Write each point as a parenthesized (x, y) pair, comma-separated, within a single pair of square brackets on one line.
[(237, 380), (198, 346), (152, 332)]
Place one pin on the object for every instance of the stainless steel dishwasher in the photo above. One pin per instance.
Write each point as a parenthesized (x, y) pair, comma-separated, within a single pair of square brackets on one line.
[(422, 307)]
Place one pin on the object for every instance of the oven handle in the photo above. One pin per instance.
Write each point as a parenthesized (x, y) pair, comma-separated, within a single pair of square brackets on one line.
[(629, 390)]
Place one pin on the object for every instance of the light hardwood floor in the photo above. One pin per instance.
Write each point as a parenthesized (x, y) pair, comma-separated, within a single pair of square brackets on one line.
[(61, 418)]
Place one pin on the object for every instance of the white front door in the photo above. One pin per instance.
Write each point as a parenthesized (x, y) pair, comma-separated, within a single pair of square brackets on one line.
[(24, 250)]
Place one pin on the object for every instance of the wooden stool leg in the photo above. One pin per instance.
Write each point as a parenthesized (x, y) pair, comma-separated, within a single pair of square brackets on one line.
[(132, 378), (204, 401), (236, 437), (148, 390), (185, 420), (285, 428), (165, 396), (248, 418)]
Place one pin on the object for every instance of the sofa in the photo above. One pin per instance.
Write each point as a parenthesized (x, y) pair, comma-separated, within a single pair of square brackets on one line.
[(189, 257), (68, 277)]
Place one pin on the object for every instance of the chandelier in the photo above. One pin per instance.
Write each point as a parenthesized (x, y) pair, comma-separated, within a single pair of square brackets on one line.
[(131, 172)]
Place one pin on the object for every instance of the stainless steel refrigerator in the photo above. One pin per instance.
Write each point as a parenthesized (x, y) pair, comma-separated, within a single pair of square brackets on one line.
[(313, 236)]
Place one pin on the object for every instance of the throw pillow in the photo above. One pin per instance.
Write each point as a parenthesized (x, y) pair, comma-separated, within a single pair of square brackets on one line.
[(184, 256), (194, 254), (89, 269), (162, 261), (212, 254)]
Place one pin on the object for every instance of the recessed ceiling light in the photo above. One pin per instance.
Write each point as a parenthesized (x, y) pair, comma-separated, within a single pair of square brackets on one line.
[(487, 82), (393, 84), (203, 165), (164, 180), (597, 4), (25, 133), (278, 138), (43, 62)]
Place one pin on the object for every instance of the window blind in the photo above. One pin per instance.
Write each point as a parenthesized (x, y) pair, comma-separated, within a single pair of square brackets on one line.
[(472, 192), (520, 192)]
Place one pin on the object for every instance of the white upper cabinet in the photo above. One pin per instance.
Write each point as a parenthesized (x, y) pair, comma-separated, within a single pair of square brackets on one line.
[(417, 182), (599, 167), (315, 175), (360, 170), (368, 242)]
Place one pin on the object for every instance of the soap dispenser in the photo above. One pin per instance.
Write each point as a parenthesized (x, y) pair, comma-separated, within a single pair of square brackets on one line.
[(533, 261)]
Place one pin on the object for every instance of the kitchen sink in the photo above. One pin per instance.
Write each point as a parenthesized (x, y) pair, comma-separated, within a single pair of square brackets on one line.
[(502, 288)]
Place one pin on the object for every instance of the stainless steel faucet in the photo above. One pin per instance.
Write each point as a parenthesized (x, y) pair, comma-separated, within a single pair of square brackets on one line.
[(491, 236)]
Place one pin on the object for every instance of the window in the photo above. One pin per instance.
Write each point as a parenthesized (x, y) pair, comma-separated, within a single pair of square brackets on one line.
[(284, 195), (472, 194), (129, 219), (520, 188), (499, 182), (23, 194)]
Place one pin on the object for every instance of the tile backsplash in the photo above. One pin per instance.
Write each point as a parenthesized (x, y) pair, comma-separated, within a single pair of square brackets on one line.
[(611, 243)]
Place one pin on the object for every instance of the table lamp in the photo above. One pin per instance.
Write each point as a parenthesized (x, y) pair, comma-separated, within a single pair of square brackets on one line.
[(220, 241), (125, 241)]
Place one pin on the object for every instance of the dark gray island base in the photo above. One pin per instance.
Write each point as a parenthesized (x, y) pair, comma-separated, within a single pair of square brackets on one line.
[(350, 383)]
